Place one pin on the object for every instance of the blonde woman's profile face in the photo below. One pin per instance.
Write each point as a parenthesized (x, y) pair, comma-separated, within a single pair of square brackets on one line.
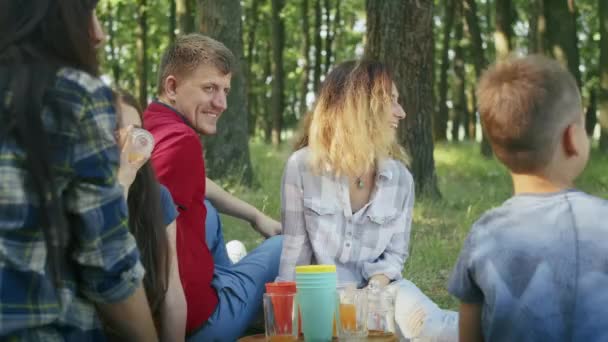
[(397, 112)]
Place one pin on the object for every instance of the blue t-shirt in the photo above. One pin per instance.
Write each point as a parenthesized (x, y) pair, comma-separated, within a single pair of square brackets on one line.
[(167, 205), (538, 264)]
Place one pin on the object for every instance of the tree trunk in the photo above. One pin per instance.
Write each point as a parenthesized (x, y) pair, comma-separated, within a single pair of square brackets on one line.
[(561, 37), (461, 114), (185, 10), (306, 53), (603, 69), (397, 28), (441, 117), (252, 21), (228, 151), (479, 58), (504, 29), (113, 17), (278, 77), (172, 20), (267, 102), (142, 52), (329, 36), (538, 27), (316, 78)]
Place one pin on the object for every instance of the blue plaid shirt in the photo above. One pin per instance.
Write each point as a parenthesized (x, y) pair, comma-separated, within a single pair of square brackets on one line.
[(103, 260)]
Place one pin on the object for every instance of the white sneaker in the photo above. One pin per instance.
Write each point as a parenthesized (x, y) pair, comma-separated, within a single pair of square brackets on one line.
[(236, 250)]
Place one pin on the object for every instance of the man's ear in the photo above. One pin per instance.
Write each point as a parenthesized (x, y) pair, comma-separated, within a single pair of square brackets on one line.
[(569, 141), (170, 86)]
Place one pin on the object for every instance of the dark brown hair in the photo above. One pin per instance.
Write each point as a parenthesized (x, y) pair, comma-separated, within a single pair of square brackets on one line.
[(147, 225), (37, 37), (190, 51), (525, 104)]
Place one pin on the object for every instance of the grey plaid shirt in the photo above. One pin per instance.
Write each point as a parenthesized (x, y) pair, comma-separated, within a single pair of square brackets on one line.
[(320, 228)]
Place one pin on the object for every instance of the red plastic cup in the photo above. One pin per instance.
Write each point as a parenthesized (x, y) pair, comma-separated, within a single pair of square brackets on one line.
[(283, 306)]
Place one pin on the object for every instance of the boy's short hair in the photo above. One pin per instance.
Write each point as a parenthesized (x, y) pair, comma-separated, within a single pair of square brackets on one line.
[(190, 51), (524, 104)]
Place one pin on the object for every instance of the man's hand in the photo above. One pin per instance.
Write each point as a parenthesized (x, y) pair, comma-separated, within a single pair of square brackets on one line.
[(265, 225)]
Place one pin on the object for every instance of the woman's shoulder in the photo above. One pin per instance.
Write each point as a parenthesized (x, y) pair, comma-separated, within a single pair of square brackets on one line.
[(80, 82), (299, 158), (397, 170)]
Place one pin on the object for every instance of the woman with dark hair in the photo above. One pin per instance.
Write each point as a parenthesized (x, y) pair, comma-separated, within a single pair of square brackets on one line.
[(152, 215), (66, 253)]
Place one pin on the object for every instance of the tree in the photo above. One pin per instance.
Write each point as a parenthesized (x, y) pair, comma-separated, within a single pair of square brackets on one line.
[(603, 91), (185, 16), (440, 123), (318, 47), (278, 77), (460, 113), (538, 26), (504, 28), (398, 28), (480, 62), (227, 152), (306, 56), (561, 38), (142, 52)]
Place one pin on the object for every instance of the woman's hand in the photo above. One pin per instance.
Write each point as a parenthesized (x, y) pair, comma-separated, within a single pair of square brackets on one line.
[(129, 165), (380, 279)]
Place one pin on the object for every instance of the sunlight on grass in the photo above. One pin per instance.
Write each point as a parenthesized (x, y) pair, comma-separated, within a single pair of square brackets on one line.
[(469, 184)]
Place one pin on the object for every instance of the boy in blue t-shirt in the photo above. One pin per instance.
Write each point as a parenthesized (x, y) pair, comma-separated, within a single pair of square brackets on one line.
[(535, 268)]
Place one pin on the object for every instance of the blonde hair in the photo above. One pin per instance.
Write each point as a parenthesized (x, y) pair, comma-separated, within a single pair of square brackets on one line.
[(347, 129)]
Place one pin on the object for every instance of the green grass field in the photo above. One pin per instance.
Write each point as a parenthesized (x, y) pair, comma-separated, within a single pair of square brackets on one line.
[(469, 185)]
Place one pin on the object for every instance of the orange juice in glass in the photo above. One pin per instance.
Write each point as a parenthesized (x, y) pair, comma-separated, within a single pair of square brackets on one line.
[(353, 312)]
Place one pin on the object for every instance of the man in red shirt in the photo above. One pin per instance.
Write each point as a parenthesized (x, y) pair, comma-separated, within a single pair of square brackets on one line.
[(222, 298)]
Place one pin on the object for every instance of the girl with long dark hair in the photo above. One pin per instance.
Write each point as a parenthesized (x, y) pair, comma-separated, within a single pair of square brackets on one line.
[(152, 215), (65, 250)]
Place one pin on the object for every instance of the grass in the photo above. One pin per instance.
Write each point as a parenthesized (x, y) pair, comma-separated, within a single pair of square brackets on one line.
[(469, 184)]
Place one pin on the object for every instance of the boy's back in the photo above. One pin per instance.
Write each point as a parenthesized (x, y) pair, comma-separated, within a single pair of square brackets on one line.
[(539, 266)]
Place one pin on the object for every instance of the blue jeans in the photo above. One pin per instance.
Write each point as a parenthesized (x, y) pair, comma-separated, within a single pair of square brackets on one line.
[(239, 286)]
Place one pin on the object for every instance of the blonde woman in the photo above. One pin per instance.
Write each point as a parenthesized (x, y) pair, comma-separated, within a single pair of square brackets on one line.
[(347, 197)]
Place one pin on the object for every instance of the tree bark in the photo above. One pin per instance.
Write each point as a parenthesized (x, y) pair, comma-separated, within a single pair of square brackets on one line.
[(504, 29), (441, 117), (110, 28), (252, 20), (142, 52), (603, 69), (318, 47), (278, 76), (479, 58), (461, 115), (185, 13), (397, 28), (329, 36), (306, 53), (172, 20), (538, 27), (227, 153), (561, 37)]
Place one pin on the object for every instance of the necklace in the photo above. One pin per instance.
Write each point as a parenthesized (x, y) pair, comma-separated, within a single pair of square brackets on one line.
[(360, 183)]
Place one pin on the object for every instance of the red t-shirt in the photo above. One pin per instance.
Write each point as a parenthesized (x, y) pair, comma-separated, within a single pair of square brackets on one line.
[(178, 161)]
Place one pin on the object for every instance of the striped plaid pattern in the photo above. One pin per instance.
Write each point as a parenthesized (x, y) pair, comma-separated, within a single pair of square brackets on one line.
[(319, 226), (104, 261)]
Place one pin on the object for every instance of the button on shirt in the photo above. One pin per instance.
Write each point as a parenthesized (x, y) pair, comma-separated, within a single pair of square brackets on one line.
[(320, 228), (104, 258)]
